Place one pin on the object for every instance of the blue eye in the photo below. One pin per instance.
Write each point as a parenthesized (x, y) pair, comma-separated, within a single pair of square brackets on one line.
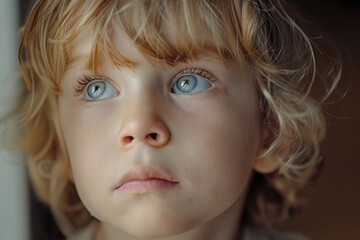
[(100, 90), (190, 84)]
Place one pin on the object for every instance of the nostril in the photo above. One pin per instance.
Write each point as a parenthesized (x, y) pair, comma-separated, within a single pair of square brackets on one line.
[(128, 139), (153, 136)]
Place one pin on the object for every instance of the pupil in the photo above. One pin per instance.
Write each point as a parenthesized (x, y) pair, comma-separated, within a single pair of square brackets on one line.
[(187, 84), (96, 90)]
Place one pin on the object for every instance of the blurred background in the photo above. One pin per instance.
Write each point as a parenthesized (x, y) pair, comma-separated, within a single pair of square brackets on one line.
[(14, 217), (333, 208)]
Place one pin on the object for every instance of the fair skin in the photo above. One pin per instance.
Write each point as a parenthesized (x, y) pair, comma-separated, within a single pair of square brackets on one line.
[(150, 160)]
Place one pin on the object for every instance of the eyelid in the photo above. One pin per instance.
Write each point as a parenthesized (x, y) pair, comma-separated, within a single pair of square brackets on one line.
[(201, 72)]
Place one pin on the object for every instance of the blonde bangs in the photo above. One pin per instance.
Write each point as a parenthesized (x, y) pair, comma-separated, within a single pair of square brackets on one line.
[(165, 32)]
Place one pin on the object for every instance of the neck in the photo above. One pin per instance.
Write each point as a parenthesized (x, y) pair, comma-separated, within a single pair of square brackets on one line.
[(223, 227)]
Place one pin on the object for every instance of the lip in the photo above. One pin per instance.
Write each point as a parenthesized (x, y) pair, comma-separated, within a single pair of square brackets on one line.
[(145, 179)]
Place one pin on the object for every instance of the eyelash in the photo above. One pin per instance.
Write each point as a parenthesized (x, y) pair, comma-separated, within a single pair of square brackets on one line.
[(201, 72)]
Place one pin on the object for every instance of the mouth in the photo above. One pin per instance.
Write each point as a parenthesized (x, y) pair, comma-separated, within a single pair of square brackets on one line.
[(144, 180)]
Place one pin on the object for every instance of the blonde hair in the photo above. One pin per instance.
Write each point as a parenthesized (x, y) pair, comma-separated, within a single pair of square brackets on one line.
[(258, 36)]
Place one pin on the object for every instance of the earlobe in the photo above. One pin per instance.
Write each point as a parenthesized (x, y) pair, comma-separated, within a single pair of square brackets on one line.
[(267, 164), (71, 177), (69, 172)]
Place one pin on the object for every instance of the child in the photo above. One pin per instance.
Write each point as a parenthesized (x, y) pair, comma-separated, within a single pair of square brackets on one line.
[(170, 119)]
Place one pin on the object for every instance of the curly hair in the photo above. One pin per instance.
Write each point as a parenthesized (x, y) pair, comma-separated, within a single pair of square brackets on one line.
[(258, 36)]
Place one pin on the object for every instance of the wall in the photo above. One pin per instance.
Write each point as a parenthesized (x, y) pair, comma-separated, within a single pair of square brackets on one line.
[(333, 210), (13, 184)]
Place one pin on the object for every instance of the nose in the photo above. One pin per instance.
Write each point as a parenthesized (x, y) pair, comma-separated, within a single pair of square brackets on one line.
[(143, 124)]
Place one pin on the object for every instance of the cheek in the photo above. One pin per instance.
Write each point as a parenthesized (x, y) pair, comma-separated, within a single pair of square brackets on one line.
[(85, 142), (222, 145), (89, 158), (84, 126)]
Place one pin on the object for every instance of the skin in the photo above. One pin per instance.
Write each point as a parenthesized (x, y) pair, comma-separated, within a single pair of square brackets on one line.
[(208, 142)]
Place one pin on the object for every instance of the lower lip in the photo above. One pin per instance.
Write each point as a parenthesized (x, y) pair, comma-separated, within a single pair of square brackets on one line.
[(146, 185)]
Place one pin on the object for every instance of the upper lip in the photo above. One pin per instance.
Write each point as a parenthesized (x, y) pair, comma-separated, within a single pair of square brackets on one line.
[(144, 173)]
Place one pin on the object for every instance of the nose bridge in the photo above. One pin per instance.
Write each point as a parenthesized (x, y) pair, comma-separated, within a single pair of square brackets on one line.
[(143, 120), (143, 105)]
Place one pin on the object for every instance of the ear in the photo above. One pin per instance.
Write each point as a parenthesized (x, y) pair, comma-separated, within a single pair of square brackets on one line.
[(68, 170), (70, 176), (270, 162), (266, 164)]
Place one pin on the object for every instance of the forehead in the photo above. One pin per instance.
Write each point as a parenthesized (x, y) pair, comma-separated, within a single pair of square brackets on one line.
[(82, 52), (81, 46)]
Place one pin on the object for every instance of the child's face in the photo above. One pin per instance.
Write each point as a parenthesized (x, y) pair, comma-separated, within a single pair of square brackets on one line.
[(164, 150)]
